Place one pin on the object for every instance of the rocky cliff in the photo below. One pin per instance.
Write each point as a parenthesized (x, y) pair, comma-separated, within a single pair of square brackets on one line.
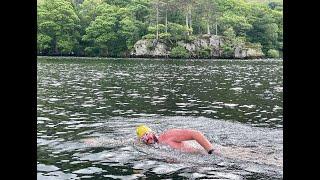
[(161, 48), (150, 48)]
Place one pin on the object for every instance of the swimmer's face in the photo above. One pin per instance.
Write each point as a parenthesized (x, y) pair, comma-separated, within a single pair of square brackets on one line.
[(148, 138)]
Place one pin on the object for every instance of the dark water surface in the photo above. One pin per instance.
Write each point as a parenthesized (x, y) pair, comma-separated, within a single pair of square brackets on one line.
[(237, 104)]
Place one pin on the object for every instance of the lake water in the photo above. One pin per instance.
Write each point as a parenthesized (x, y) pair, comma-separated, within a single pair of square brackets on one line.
[(237, 104)]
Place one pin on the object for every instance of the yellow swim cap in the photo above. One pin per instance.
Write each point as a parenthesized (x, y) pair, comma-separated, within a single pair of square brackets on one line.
[(142, 129)]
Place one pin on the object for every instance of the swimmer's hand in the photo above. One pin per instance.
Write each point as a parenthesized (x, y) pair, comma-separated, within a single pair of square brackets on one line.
[(214, 151)]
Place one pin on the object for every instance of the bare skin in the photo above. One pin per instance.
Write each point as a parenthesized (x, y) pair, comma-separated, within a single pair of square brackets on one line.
[(177, 139)]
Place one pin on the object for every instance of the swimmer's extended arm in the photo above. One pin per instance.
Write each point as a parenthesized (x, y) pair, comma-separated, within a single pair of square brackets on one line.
[(186, 134), (183, 147)]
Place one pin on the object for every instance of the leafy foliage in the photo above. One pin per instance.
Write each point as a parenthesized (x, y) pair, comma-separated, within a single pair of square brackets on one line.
[(58, 26), (112, 32), (272, 53), (204, 53), (111, 27), (179, 52)]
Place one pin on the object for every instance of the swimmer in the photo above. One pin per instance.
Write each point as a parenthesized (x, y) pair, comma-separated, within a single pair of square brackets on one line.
[(175, 138)]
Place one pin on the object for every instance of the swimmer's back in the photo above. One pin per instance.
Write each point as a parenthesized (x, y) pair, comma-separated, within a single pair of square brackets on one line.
[(176, 135)]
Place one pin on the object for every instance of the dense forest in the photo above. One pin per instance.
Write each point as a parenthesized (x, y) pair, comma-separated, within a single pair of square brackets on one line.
[(112, 27)]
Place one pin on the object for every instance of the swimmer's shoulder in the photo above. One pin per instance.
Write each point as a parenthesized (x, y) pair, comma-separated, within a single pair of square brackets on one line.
[(171, 133)]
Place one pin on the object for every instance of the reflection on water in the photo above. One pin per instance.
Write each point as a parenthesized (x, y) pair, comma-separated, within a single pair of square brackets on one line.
[(236, 104)]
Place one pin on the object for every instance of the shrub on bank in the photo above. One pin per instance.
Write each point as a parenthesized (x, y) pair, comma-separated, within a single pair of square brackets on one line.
[(228, 51), (272, 53), (204, 53), (179, 52)]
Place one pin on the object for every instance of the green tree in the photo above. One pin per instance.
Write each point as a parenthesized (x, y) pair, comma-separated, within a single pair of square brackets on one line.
[(112, 32), (119, 3), (88, 11), (43, 43), (265, 31), (130, 30), (208, 12), (140, 9), (240, 24), (58, 26), (231, 42)]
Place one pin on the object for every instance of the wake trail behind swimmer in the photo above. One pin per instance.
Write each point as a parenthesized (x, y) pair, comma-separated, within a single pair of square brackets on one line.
[(103, 141), (232, 153), (189, 141)]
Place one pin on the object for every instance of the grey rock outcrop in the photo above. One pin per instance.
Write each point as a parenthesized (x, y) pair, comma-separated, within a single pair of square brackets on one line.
[(213, 43), (247, 51), (150, 48)]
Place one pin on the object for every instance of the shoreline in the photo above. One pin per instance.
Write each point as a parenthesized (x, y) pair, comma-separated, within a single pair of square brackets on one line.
[(154, 58)]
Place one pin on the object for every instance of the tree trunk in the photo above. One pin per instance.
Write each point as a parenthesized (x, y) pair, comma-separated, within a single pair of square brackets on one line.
[(157, 21), (187, 22), (56, 51), (166, 21), (190, 19), (216, 29), (208, 28)]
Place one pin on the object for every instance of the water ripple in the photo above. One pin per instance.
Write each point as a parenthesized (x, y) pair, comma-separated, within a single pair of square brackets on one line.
[(236, 104)]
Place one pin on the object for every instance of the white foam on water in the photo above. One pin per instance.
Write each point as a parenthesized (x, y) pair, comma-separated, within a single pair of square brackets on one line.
[(209, 111), (274, 119), (277, 108), (127, 177), (222, 175), (89, 170), (167, 168), (230, 105), (181, 104), (248, 106), (40, 122), (193, 175), (46, 168), (56, 84), (113, 87), (278, 88), (43, 118), (56, 175)]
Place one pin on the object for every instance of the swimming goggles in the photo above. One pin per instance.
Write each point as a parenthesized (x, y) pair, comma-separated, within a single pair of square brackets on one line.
[(145, 138)]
